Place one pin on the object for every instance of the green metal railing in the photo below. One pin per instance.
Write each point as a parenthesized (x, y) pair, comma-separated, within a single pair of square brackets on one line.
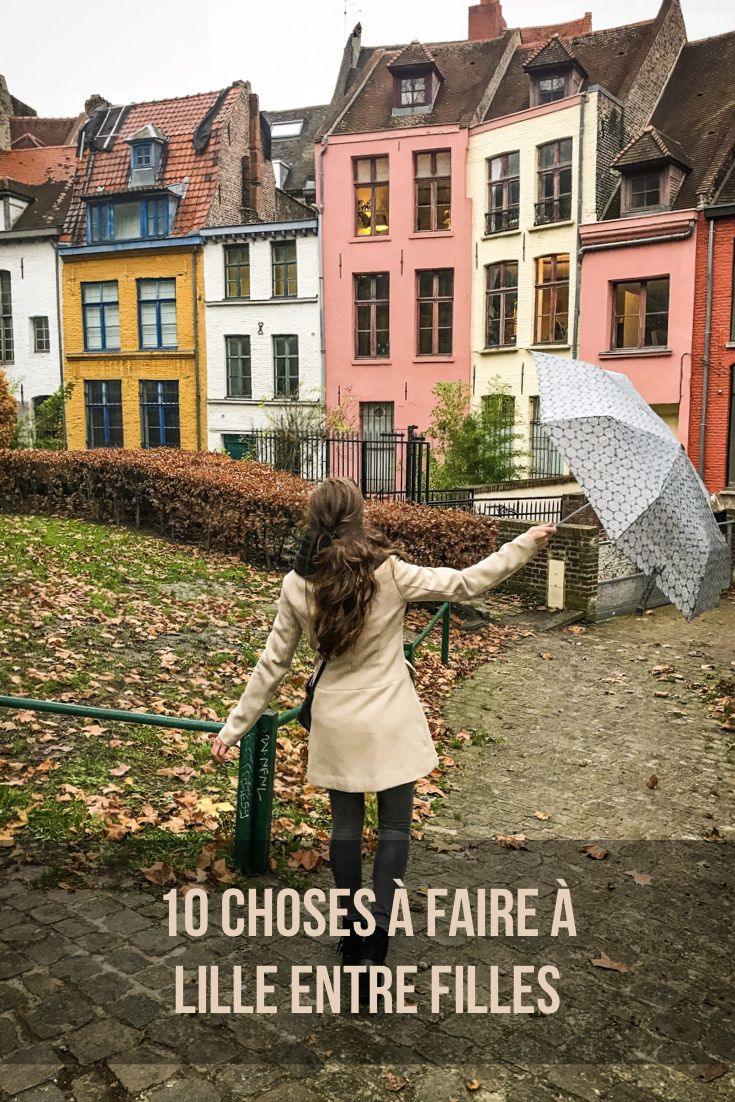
[(257, 762)]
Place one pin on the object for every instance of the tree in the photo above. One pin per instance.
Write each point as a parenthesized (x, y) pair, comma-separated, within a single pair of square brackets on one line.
[(474, 447), (50, 419), (8, 412)]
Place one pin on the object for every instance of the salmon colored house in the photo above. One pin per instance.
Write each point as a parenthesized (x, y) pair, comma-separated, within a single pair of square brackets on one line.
[(391, 178)]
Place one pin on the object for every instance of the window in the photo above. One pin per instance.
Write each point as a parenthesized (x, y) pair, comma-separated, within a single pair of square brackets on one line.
[(41, 335), (413, 91), (501, 296), (286, 364), (551, 88), (237, 354), (157, 313), (237, 271), (101, 317), (372, 315), (552, 299), (433, 172), (504, 192), (287, 129), (435, 310), (554, 182), (6, 320), (142, 154), (371, 196), (283, 260), (644, 191), (641, 314), (159, 414), (103, 403), (130, 220)]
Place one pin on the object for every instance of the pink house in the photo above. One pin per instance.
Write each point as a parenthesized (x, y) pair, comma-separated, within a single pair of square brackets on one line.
[(396, 224)]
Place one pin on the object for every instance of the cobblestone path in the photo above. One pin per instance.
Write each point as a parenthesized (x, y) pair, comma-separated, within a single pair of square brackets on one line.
[(571, 727)]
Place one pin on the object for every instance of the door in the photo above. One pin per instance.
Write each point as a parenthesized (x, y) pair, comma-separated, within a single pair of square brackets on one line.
[(377, 429), (731, 432)]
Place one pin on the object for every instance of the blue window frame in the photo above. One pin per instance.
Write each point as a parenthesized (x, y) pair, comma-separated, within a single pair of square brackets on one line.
[(159, 413), (154, 217), (103, 404), (157, 313), (142, 154), (100, 225), (101, 316)]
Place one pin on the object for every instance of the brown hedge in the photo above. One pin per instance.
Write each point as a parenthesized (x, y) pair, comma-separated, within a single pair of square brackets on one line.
[(230, 505)]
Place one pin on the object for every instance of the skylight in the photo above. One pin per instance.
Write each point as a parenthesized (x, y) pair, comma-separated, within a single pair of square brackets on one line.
[(287, 129)]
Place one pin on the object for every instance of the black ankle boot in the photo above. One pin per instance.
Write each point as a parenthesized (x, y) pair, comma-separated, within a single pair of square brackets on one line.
[(374, 952), (350, 946)]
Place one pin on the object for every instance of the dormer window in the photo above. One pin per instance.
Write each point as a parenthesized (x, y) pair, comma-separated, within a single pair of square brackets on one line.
[(554, 71), (414, 91), (653, 168), (142, 154), (146, 155), (416, 81)]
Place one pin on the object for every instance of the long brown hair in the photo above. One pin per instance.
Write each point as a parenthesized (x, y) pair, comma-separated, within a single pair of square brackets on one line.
[(346, 555)]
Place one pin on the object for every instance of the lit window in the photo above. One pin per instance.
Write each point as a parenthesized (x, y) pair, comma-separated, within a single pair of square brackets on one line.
[(641, 314), (552, 299), (433, 190), (371, 196)]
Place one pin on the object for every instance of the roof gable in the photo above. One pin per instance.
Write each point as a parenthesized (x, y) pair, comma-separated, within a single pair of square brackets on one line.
[(552, 54), (413, 56), (651, 147)]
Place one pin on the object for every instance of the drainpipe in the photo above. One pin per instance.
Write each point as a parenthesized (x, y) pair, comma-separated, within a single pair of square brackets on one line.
[(707, 345), (580, 184), (57, 261), (197, 380), (320, 251)]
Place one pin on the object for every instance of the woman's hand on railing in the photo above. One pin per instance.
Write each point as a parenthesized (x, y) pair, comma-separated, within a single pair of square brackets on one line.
[(220, 749), (542, 533)]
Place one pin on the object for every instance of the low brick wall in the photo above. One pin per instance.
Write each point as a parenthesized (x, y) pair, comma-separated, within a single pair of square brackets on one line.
[(577, 546)]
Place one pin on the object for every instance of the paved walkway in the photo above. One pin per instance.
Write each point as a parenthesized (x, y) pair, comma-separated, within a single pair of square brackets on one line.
[(571, 727)]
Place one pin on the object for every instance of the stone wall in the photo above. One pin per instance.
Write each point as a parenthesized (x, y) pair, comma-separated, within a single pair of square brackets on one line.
[(246, 187), (610, 140), (577, 546), (646, 89)]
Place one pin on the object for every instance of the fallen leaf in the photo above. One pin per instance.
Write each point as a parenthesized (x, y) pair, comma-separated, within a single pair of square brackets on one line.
[(119, 770), (512, 841), (710, 1072), (652, 781), (547, 657), (473, 1085), (542, 815), (661, 692), (394, 1082), (642, 878), (304, 859), (160, 873), (603, 961), (597, 853), (221, 872)]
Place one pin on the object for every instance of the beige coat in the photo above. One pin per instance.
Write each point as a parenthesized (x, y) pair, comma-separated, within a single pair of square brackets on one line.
[(368, 729)]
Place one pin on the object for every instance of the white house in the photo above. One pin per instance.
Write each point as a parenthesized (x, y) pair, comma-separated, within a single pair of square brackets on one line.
[(30, 217), (263, 329)]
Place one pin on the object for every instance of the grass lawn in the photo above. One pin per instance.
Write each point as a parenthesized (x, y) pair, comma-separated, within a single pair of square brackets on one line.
[(107, 616)]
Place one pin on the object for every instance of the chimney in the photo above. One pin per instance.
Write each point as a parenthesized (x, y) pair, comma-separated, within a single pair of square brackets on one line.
[(6, 111), (486, 21), (355, 44)]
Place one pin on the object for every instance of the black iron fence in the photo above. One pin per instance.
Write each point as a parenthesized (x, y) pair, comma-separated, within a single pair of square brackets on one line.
[(545, 459), (543, 510), (384, 465)]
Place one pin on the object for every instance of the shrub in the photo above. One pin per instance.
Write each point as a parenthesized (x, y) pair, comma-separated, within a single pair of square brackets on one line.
[(8, 412), (50, 419), (474, 447), (227, 504)]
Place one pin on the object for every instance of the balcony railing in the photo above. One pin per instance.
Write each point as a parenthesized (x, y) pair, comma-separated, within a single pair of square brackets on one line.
[(553, 210), (498, 221)]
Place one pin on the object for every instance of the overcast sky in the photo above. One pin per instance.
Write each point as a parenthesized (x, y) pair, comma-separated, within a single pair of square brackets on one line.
[(55, 54)]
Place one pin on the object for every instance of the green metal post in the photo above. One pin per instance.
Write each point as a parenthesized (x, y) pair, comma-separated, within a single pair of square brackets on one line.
[(244, 804), (445, 634), (263, 776)]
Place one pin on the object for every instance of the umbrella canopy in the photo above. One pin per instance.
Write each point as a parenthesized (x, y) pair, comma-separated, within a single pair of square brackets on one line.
[(638, 479)]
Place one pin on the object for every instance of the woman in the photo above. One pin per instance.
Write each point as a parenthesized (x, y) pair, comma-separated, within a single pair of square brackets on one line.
[(348, 593)]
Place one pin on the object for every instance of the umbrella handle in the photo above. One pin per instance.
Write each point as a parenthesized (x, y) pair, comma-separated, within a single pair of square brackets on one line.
[(579, 510)]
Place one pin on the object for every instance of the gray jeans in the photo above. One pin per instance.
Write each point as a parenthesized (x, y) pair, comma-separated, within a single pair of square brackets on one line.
[(395, 810)]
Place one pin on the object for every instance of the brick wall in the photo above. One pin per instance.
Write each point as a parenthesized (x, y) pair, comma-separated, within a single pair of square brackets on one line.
[(721, 357), (653, 74), (610, 140), (240, 158), (577, 546)]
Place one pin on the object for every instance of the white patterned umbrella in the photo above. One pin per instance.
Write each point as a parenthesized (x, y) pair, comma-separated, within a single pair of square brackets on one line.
[(638, 479)]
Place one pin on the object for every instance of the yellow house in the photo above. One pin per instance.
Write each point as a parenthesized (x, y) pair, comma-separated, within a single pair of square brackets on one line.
[(150, 177), (135, 348)]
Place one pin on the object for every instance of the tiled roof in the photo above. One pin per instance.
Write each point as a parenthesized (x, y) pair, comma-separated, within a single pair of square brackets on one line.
[(38, 166), (467, 68), (106, 171), (610, 58), (553, 52), (698, 110), (651, 146), (726, 193), (413, 54), (531, 36), (27, 131), (298, 152), (48, 206)]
